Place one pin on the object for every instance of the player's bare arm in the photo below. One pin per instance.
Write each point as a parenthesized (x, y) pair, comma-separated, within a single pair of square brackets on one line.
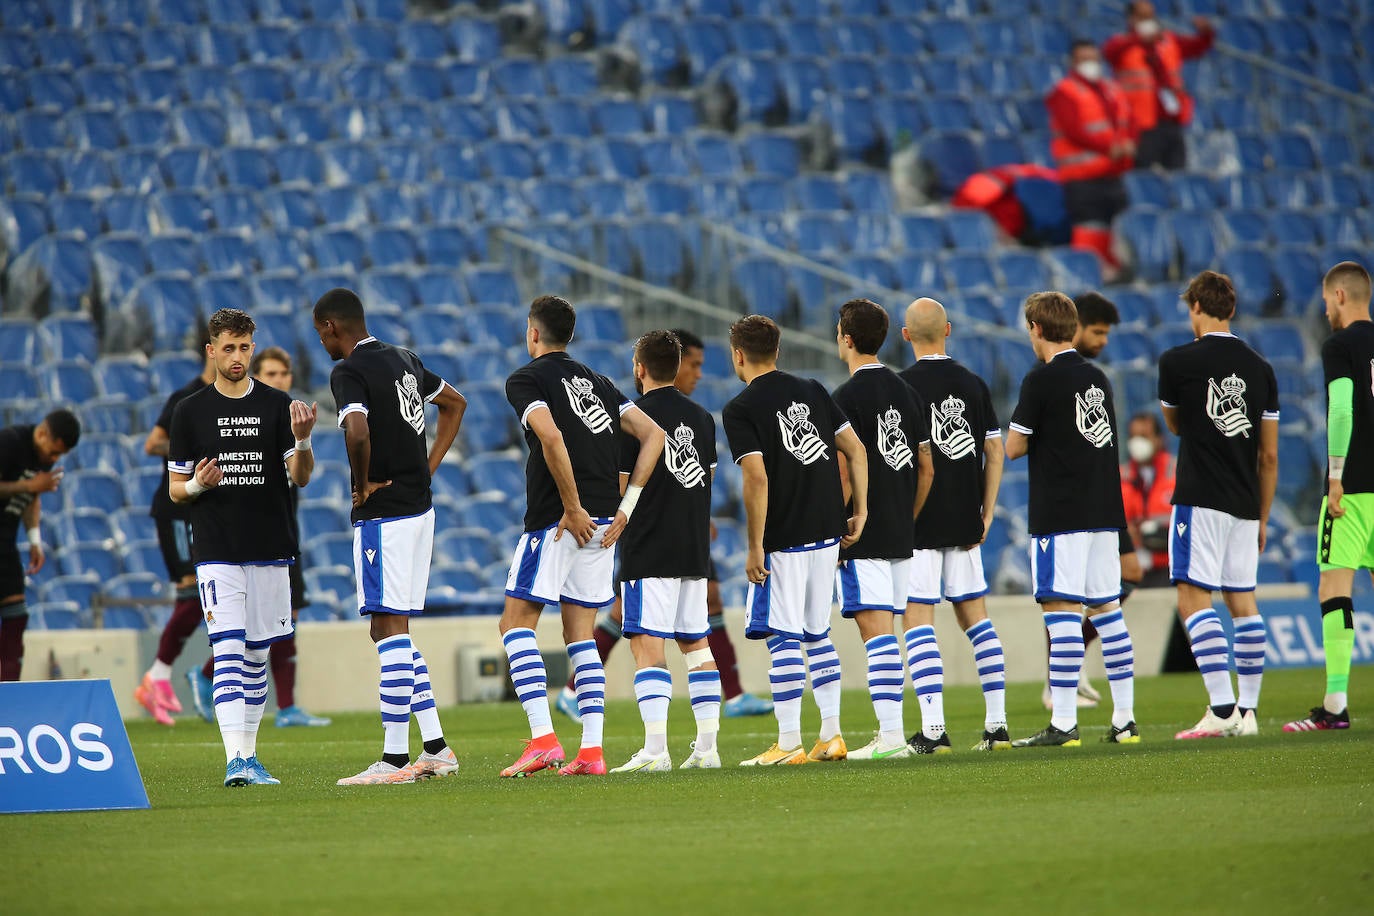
[(452, 405), (849, 445), (1268, 472), (576, 521), (358, 442), (33, 515), (302, 461), (755, 514), (1170, 417), (1018, 444), (157, 442), (206, 477), (925, 477), (993, 461), (636, 423)]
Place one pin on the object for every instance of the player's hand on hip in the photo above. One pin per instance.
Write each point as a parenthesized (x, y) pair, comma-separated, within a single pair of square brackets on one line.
[(754, 567), (45, 481), (36, 559), (1333, 499), (856, 530), (208, 473), (303, 418), (364, 493), (616, 528), (577, 523)]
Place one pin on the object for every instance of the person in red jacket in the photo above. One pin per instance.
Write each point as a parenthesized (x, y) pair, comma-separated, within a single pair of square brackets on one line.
[(1147, 486), (1148, 62), (1092, 142), (994, 191)]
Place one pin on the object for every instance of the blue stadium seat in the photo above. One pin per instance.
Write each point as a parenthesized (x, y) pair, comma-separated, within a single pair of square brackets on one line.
[(217, 292), (40, 130), (761, 282), (343, 206), (350, 163), (560, 157), (1291, 190), (33, 172), (1075, 269), (325, 550), (1024, 270), (970, 230), (19, 382), (968, 271), (123, 377), (60, 48), (614, 116), (276, 293), (951, 156), (23, 220), (671, 115), (87, 524), (566, 117), (79, 214), (391, 246), (659, 251), (657, 43), (93, 489), (457, 161), (817, 192), (488, 284), (495, 473), (201, 124), (227, 252), (502, 202), (79, 590), (189, 167), (605, 199), (1152, 245), (519, 77), (772, 154), (821, 234), (508, 159), (1299, 275), (1250, 271), (179, 211), (475, 39), (19, 342), (234, 210), (338, 249), (853, 123), (165, 306), (55, 269), (804, 87), (86, 170), (174, 253), (764, 195)]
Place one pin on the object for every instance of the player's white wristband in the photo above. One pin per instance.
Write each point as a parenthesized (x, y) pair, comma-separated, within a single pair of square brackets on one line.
[(303, 445), (35, 537), (1334, 467), (194, 488), (630, 500)]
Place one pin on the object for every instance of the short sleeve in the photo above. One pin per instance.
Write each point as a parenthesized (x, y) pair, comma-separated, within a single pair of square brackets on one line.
[(629, 452), (1168, 381), (9, 455), (1026, 416), (994, 429), (617, 396), (522, 390), (709, 453), (349, 390), (920, 424), (430, 384), (1271, 407), (838, 418), (1336, 361), (740, 432), (286, 437), (164, 419), (181, 447)]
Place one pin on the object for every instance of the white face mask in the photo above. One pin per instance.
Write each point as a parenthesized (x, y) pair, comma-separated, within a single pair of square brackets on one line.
[(1147, 28), (1090, 70), (1140, 448)]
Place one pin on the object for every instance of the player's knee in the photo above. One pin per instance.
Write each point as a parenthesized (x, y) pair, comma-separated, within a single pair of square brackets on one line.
[(699, 659)]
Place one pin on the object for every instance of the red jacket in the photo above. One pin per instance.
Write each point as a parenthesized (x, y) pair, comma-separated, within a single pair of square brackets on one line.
[(1141, 83), (1086, 119), (1143, 502), (992, 192)]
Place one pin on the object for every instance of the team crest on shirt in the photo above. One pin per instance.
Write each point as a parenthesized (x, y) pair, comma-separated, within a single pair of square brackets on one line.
[(1226, 406), (681, 459), (799, 434), (412, 405), (892, 444), (1090, 413), (950, 431), (586, 404)]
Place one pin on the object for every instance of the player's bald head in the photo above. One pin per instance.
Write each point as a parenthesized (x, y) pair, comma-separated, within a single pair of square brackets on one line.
[(926, 320)]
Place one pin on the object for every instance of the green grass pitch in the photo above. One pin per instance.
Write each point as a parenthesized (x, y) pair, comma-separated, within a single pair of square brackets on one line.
[(1279, 823)]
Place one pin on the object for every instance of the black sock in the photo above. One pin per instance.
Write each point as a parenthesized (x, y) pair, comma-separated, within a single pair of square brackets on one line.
[(396, 760), (435, 746), (1224, 712)]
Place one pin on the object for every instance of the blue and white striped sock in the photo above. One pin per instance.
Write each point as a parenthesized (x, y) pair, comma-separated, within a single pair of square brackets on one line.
[(824, 663), (228, 691), (589, 680), (886, 684), (254, 698), (787, 677), (928, 678), (1212, 654), (992, 672), (703, 686), (653, 691), (1118, 657), (1250, 636), (397, 656), (1066, 664), (529, 678), (422, 705)]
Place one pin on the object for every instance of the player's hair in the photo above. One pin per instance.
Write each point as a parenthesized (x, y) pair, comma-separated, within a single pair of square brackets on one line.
[(659, 352), (865, 321), (1213, 293), (64, 425), (1095, 308), (556, 318), (273, 353), (343, 307), (1353, 277), (231, 321), (688, 340), (1081, 43), (757, 335), (1152, 418), (1055, 313)]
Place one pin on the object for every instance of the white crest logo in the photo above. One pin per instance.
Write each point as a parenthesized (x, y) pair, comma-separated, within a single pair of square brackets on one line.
[(586, 404), (799, 434), (412, 405), (892, 444), (1090, 413), (681, 459), (371, 555), (534, 544), (1044, 544), (1181, 528), (950, 431), (1226, 406)]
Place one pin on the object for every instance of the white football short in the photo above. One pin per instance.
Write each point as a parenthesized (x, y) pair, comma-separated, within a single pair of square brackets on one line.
[(252, 603), (391, 562), (546, 571), (669, 608), (960, 572), (794, 601), (1079, 566), (1213, 549), (872, 585)]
